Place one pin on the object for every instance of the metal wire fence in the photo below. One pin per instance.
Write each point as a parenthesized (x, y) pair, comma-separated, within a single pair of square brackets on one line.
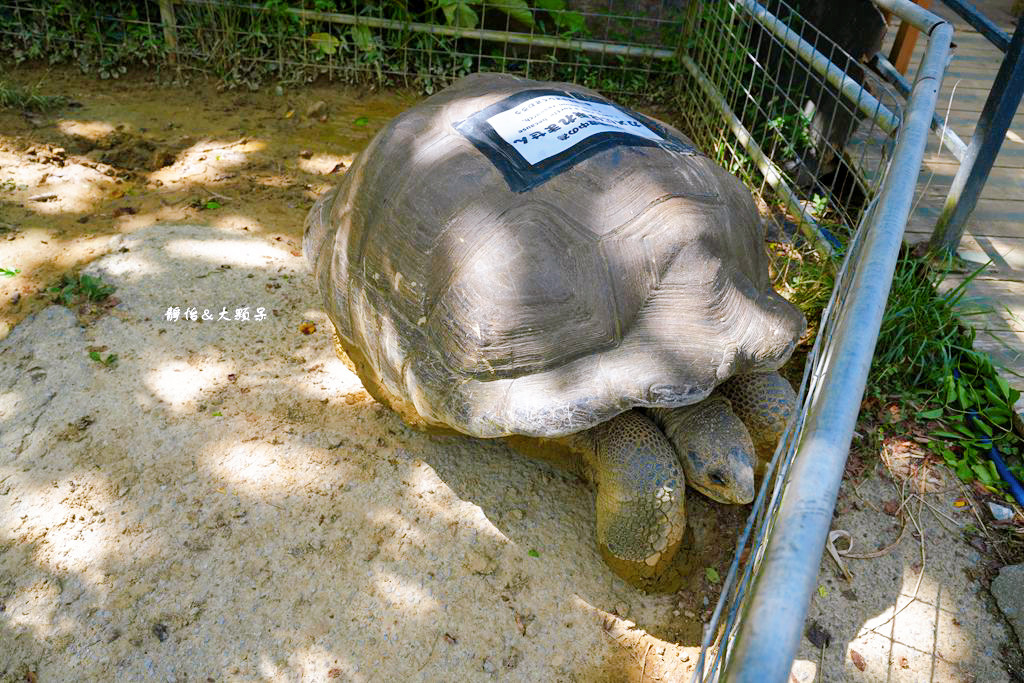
[(807, 128), (758, 88), (616, 46)]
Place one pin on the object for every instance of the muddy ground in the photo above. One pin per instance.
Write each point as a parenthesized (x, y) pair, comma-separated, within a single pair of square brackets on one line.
[(223, 501)]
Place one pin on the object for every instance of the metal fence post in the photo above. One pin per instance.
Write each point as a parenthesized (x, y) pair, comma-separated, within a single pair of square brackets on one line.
[(170, 29), (993, 123)]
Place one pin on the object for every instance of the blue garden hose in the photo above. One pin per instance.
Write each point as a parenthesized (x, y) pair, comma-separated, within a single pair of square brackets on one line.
[(1016, 490)]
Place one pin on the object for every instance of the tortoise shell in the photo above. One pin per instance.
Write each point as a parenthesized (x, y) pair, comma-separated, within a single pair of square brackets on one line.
[(633, 275)]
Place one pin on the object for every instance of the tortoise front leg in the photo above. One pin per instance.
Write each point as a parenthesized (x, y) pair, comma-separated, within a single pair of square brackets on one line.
[(640, 495)]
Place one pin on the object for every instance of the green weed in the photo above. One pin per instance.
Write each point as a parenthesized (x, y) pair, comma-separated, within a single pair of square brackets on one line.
[(108, 362), (13, 96), (924, 358), (76, 287)]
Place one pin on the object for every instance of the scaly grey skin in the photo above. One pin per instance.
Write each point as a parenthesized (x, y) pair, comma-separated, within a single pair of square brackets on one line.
[(640, 499), (765, 401), (714, 448), (634, 462)]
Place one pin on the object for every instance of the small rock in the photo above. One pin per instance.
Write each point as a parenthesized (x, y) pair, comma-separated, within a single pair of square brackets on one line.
[(689, 614), (817, 634), (478, 563), (1008, 590), (316, 110), (15, 298), (305, 154), (488, 667), (1000, 512), (622, 609)]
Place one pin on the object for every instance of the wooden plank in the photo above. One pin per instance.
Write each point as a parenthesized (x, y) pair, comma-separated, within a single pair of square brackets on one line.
[(1003, 183), (990, 219), (1005, 253), (991, 305), (1005, 350), (1010, 156), (906, 39), (963, 99)]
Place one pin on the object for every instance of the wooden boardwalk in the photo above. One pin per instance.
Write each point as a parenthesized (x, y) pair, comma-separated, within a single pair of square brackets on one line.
[(995, 231)]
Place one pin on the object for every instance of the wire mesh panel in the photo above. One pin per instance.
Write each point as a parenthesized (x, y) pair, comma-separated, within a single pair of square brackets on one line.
[(824, 142), (618, 47), (816, 138), (813, 154), (104, 37)]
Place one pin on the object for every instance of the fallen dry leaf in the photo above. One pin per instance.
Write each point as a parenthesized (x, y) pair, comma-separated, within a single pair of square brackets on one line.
[(904, 664), (858, 660), (891, 507)]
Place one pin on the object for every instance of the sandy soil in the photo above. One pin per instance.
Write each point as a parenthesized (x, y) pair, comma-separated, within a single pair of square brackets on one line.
[(225, 502)]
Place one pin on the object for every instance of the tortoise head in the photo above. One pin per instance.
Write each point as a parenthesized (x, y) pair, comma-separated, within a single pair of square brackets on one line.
[(724, 472), (714, 448)]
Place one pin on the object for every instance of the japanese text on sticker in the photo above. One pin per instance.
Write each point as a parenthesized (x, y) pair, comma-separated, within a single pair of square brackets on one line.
[(542, 127)]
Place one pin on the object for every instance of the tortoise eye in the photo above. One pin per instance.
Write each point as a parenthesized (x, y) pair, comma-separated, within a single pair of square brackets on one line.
[(717, 479)]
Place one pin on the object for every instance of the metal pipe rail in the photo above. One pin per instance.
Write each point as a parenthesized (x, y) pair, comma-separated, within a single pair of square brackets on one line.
[(772, 622), (850, 88), (947, 136), (774, 177)]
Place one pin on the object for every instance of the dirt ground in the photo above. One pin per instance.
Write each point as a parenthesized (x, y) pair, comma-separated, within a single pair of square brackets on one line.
[(225, 502)]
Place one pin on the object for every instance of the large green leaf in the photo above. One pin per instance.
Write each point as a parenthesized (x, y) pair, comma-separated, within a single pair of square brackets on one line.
[(325, 43), (362, 36), (459, 13), (517, 9)]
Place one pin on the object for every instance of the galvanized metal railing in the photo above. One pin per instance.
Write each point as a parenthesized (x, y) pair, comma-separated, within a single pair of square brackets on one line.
[(759, 618)]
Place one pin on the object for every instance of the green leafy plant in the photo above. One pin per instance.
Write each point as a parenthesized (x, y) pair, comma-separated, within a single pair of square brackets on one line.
[(108, 362), (15, 96), (461, 13), (569, 22), (925, 358), (71, 287), (9, 272)]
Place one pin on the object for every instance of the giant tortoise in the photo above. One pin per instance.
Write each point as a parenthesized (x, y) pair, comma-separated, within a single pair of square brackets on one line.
[(513, 258)]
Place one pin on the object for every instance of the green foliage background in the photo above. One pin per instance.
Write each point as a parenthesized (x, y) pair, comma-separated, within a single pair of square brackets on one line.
[(251, 44)]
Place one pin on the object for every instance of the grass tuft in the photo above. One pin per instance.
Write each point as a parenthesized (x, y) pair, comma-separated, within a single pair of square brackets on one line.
[(13, 96)]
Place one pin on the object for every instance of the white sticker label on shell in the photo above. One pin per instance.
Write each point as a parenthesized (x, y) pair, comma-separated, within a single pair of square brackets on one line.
[(541, 127)]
